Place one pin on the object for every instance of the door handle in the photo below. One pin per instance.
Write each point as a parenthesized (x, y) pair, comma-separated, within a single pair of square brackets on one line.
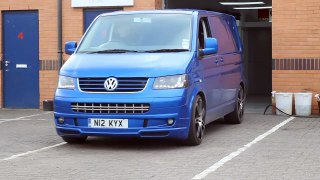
[(6, 66), (198, 80), (6, 63)]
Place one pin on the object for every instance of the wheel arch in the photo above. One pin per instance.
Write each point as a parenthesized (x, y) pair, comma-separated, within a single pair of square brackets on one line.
[(242, 84), (201, 94), (194, 94)]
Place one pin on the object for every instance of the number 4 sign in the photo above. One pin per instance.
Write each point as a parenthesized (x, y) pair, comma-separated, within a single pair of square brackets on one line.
[(21, 36)]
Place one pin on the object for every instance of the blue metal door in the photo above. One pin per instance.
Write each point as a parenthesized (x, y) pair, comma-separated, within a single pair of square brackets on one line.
[(21, 59), (91, 14)]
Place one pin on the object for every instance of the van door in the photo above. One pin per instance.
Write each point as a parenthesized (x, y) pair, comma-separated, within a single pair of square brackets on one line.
[(210, 72), (229, 58)]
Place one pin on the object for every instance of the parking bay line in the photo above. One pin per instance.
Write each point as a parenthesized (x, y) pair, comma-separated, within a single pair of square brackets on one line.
[(23, 117), (2, 121), (232, 155), (31, 152)]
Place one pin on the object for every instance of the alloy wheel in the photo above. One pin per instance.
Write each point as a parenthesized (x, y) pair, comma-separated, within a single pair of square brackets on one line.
[(199, 118), (240, 103)]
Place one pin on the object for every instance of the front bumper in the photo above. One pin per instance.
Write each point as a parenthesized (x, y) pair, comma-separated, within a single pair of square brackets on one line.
[(153, 123)]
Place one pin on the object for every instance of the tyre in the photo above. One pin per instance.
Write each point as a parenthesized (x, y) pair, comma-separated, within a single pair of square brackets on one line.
[(197, 124), (236, 116), (74, 140)]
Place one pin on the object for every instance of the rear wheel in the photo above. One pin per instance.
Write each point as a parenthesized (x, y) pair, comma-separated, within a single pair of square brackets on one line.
[(74, 140), (197, 124), (236, 116)]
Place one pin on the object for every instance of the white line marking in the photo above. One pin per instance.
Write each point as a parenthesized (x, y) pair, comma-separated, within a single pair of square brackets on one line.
[(33, 115), (24, 117), (1, 121), (224, 160), (32, 152)]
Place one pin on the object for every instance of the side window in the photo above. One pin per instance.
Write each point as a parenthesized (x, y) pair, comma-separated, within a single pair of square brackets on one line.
[(220, 31), (204, 31)]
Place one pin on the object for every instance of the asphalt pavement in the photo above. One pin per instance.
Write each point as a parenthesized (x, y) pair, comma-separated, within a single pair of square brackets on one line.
[(262, 147)]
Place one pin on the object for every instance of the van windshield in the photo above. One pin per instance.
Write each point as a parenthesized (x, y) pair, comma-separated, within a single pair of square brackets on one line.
[(138, 33)]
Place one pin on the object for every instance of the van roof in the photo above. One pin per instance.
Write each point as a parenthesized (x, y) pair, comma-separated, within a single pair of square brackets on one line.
[(166, 11)]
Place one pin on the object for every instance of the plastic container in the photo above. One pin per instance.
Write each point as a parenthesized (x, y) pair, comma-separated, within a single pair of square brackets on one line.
[(303, 102), (284, 102), (47, 105)]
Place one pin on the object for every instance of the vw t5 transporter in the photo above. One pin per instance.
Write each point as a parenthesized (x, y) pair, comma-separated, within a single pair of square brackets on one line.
[(151, 74)]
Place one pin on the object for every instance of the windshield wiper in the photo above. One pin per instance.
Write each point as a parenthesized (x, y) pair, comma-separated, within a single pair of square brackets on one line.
[(167, 50), (112, 51)]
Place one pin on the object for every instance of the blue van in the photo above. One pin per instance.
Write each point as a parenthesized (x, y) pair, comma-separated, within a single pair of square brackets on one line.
[(151, 74)]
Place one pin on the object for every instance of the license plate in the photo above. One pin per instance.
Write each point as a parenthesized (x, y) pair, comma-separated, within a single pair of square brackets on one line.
[(108, 123)]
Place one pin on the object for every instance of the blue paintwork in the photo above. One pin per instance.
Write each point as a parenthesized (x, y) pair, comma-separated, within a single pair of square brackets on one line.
[(211, 46), (70, 47), (217, 76), (81, 65), (21, 46)]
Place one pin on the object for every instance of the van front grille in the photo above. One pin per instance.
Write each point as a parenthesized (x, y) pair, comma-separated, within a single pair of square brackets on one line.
[(110, 108), (134, 84)]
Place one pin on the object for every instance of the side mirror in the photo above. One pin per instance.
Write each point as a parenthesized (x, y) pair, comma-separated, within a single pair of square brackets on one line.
[(210, 46), (70, 47)]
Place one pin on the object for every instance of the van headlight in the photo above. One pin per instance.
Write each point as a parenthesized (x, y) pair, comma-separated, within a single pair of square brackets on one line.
[(66, 82), (171, 82)]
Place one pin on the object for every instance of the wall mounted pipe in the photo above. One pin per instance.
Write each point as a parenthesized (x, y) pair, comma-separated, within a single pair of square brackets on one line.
[(59, 20)]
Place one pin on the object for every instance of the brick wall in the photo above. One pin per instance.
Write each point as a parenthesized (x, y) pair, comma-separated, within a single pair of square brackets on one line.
[(159, 4), (1, 88), (72, 24), (48, 84), (295, 28), (296, 46), (142, 5)]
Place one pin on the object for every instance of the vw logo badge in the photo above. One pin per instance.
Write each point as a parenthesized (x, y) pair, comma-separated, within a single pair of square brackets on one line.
[(111, 84)]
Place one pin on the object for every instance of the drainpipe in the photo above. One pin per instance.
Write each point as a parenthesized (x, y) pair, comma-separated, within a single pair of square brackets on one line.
[(59, 34)]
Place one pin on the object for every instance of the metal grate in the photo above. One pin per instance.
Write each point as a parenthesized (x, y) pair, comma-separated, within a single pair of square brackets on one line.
[(110, 108), (134, 84)]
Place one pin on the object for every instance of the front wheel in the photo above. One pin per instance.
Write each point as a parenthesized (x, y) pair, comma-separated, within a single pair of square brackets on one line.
[(236, 116), (197, 124)]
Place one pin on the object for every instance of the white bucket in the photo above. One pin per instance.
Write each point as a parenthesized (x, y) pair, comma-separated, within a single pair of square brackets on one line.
[(284, 102), (303, 103)]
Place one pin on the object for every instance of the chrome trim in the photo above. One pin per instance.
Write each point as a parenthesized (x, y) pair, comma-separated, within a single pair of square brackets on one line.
[(111, 108), (78, 84)]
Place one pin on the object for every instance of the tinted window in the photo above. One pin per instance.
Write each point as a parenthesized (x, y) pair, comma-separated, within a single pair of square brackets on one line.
[(220, 30), (203, 31)]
